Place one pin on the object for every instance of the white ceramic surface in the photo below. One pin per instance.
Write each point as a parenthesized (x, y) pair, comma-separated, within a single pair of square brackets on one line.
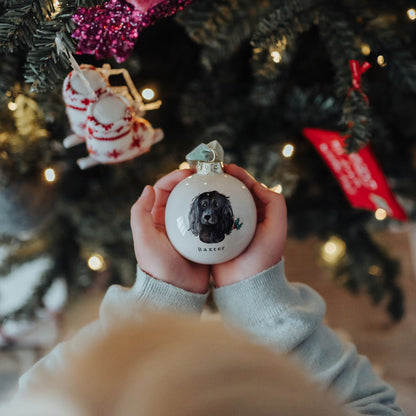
[(192, 215)]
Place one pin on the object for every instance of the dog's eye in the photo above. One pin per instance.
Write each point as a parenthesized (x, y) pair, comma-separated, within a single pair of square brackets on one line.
[(215, 203), (204, 204)]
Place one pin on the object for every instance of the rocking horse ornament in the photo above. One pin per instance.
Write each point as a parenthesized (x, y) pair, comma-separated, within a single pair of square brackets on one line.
[(108, 119)]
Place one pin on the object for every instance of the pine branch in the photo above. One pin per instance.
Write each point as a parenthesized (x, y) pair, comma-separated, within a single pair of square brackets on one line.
[(18, 24), (221, 27), (401, 65), (288, 19), (338, 35), (45, 68), (9, 67), (273, 45)]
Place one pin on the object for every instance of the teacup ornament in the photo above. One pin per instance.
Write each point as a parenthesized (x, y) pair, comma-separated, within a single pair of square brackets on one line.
[(108, 119)]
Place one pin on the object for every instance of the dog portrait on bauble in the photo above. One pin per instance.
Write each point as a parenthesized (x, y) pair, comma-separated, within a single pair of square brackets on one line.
[(211, 217)]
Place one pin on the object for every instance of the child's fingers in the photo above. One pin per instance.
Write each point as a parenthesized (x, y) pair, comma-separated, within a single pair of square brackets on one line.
[(164, 186), (241, 174), (141, 211)]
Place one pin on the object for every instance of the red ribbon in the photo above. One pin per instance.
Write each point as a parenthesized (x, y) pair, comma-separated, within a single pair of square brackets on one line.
[(357, 70)]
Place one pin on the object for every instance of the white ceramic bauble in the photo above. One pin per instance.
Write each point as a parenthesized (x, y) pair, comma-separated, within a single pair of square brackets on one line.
[(210, 216)]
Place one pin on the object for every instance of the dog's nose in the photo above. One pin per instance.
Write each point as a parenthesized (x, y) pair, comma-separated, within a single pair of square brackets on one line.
[(207, 217)]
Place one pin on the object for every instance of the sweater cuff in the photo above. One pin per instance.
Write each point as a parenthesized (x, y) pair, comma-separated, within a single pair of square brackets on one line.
[(159, 295), (259, 300)]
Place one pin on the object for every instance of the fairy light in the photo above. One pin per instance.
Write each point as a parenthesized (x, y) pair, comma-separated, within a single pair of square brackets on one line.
[(49, 175), (148, 94), (333, 250), (381, 61), (375, 270), (288, 150), (411, 14), (380, 214), (57, 7), (184, 165), (365, 49), (12, 106), (276, 57), (96, 262), (277, 188)]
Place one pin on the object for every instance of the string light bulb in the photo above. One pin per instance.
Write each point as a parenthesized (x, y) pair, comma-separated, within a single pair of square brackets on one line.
[(57, 7), (333, 250), (276, 57), (148, 94), (49, 174), (365, 49), (277, 188), (375, 270), (411, 14), (184, 165), (12, 106), (381, 61), (96, 262), (380, 214), (288, 150)]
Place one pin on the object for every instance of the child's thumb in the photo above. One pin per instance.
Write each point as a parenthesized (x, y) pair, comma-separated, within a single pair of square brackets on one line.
[(141, 212)]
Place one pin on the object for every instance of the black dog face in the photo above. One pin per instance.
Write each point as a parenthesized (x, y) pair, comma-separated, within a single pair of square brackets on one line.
[(211, 217)]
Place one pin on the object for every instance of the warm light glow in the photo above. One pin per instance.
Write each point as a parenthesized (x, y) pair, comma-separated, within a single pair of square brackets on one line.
[(184, 165), (50, 175), (57, 7), (333, 250), (148, 94), (288, 150), (96, 262), (12, 106), (411, 14), (380, 214), (375, 270), (381, 61), (365, 49), (276, 57), (277, 188)]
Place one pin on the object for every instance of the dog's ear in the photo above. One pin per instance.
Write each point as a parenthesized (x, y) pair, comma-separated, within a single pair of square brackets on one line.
[(227, 216), (194, 216)]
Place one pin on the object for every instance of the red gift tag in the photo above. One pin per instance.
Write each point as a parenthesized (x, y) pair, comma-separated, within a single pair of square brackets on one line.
[(359, 174)]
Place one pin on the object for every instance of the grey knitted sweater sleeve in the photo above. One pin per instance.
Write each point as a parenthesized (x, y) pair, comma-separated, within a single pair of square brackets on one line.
[(288, 318), (119, 304)]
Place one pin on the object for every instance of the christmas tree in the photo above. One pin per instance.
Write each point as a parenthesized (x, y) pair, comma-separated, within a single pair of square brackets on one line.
[(253, 75)]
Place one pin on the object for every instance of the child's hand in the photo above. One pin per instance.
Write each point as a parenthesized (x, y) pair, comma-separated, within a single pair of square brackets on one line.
[(154, 253), (266, 248)]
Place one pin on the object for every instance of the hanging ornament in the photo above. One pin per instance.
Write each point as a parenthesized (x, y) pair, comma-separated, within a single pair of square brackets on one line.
[(359, 174), (357, 71), (79, 91), (108, 119), (112, 29), (210, 216)]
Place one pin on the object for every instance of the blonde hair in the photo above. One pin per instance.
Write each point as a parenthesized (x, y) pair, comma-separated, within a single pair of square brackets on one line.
[(177, 366)]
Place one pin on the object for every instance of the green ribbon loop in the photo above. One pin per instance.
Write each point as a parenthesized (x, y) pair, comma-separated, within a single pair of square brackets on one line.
[(211, 152)]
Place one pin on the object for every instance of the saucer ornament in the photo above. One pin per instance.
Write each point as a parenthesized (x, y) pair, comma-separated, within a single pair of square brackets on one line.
[(210, 216)]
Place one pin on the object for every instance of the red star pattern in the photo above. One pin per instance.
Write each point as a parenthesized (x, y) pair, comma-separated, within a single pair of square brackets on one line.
[(86, 101), (136, 142), (91, 151), (115, 154), (139, 125)]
